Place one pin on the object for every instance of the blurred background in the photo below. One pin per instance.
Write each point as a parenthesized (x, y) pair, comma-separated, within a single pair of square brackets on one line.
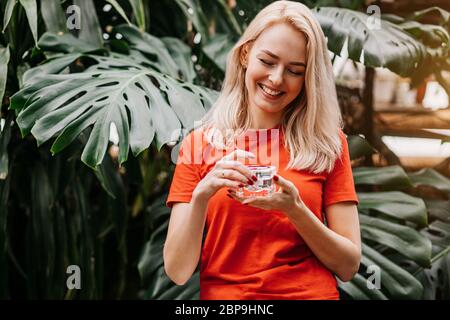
[(96, 96)]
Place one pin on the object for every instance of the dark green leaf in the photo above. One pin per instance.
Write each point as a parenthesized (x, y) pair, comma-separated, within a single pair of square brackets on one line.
[(139, 13), (395, 204), (31, 11), (5, 136), (399, 283), (4, 196), (358, 289), (119, 9), (54, 17), (152, 46), (194, 12), (392, 176), (359, 147), (65, 43), (430, 177), (443, 14), (439, 209), (384, 46), (181, 54), (405, 240), (217, 49), (91, 31), (10, 5), (4, 60)]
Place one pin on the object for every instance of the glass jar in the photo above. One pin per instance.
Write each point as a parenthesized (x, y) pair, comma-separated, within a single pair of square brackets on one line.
[(263, 186)]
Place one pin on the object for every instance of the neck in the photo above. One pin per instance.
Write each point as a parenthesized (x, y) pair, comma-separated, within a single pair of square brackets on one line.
[(265, 120)]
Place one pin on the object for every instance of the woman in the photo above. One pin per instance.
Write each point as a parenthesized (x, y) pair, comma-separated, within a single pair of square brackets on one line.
[(278, 83)]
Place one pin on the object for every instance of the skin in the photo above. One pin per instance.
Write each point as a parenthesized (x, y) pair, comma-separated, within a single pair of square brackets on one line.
[(276, 59)]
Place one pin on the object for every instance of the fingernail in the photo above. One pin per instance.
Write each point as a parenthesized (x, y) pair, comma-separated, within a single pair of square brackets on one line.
[(241, 185), (254, 178), (275, 178), (250, 182)]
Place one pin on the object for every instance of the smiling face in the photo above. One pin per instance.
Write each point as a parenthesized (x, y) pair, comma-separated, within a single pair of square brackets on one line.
[(276, 63)]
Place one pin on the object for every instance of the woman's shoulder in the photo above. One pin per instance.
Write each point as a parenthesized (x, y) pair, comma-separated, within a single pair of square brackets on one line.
[(195, 135)]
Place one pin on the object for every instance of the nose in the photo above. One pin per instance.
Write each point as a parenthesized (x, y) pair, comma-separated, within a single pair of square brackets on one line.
[(276, 76)]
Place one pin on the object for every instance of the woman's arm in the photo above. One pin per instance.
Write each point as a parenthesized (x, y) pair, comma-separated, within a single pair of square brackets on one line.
[(337, 246), (184, 239)]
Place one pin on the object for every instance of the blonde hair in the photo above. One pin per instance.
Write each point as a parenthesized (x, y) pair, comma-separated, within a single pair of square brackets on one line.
[(312, 121)]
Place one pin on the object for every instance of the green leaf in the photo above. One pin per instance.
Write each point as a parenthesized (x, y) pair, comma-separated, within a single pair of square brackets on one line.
[(430, 35), (4, 60), (151, 257), (357, 288), (42, 202), (139, 13), (91, 31), (54, 65), (439, 234), (439, 209), (4, 228), (31, 11), (151, 46), (151, 263), (194, 12), (399, 283), (65, 43), (444, 15), (181, 54), (405, 240), (395, 204), (112, 91), (217, 49), (5, 136), (430, 177), (388, 177), (10, 5), (359, 147), (119, 9), (53, 15), (387, 46)]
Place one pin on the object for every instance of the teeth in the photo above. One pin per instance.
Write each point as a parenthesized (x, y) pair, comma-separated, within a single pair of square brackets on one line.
[(270, 91)]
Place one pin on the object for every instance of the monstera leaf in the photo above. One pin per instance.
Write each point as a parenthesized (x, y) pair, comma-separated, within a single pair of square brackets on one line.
[(395, 204), (378, 45), (142, 104), (151, 264), (406, 240)]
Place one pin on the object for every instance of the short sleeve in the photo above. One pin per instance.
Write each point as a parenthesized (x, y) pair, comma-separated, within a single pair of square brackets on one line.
[(187, 171), (339, 185)]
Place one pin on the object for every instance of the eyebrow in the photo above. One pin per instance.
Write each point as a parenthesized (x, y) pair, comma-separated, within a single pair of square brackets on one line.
[(273, 55)]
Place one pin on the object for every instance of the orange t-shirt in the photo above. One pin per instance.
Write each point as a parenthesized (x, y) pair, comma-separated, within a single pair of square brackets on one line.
[(250, 253)]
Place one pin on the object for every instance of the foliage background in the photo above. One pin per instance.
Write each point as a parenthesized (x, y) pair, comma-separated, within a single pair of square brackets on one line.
[(152, 69)]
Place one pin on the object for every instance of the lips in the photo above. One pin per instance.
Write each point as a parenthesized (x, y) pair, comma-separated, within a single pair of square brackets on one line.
[(270, 92)]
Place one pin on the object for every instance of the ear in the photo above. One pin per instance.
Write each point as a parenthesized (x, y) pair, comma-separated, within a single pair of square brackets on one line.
[(245, 51)]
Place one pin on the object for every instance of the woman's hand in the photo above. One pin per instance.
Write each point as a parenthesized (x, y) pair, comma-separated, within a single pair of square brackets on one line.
[(226, 173), (286, 199)]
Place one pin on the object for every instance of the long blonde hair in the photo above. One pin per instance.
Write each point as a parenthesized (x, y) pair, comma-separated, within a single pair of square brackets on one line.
[(312, 121)]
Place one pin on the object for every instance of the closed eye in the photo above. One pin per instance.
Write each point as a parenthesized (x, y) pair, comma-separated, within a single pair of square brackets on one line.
[(271, 64), (297, 73), (265, 62)]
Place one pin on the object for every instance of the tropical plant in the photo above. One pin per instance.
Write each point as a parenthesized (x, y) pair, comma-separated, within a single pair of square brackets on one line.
[(108, 215)]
